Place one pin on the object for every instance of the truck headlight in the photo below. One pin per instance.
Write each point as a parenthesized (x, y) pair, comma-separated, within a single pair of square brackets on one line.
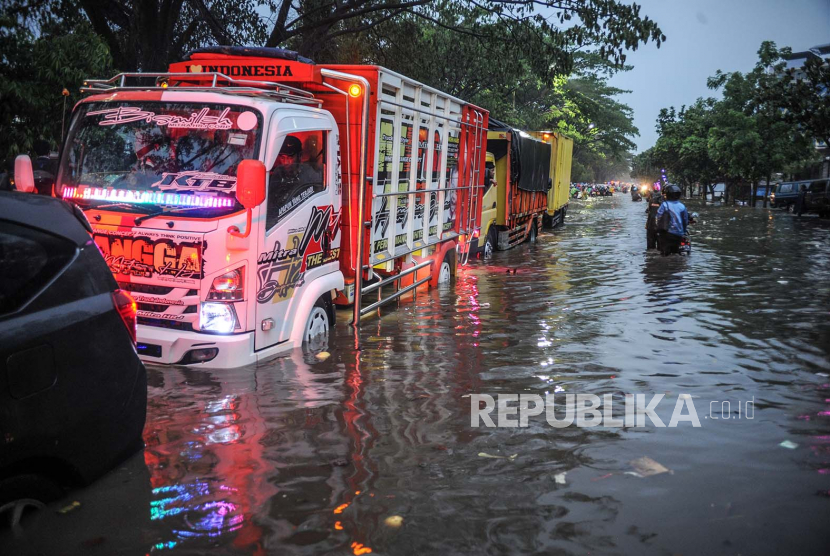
[(217, 317)]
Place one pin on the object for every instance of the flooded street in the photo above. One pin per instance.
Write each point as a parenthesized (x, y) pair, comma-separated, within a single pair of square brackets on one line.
[(303, 456)]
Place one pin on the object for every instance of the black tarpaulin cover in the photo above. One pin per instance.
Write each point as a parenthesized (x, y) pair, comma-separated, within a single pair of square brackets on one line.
[(530, 159)]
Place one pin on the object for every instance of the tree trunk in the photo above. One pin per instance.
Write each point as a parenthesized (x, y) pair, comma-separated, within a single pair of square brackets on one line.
[(753, 191), (768, 190)]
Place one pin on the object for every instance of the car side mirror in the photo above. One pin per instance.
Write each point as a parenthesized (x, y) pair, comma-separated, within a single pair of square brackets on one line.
[(24, 176), (250, 191)]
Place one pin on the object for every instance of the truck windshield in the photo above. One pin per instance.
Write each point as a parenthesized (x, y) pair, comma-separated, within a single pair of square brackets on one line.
[(158, 156)]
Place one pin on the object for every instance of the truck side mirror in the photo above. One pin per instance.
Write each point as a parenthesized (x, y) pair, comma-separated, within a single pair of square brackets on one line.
[(250, 191), (24, 176)]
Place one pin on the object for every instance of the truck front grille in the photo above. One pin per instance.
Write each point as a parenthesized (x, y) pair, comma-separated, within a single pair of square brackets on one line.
[(165, 307)]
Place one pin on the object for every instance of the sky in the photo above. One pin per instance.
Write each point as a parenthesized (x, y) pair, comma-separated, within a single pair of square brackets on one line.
[(704, 36)]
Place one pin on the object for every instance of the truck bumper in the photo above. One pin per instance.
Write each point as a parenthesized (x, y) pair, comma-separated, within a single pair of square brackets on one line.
[(169, 347)]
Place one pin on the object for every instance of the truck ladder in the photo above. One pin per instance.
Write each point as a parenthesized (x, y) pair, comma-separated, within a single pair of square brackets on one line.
[(476, 188)]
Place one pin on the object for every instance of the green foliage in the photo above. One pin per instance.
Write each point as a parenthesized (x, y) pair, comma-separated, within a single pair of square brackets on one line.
[(41, 57), (759, 127), (524, 60)]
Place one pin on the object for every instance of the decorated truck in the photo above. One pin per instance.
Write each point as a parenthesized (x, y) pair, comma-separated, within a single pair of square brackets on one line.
[(242, 194), (560, 171), (516, 184)]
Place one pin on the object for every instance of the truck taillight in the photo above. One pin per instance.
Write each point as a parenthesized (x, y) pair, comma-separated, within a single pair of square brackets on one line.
[(229, 286), (127, 310)]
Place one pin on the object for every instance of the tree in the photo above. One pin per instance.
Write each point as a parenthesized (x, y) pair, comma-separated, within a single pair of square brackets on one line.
[(805, 96), (753, 136), (43, 53), (744, 137), (644, 167), (148, 34), (682, 147)]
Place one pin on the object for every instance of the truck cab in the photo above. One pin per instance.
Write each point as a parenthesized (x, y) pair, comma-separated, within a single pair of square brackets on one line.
[(156, 174)]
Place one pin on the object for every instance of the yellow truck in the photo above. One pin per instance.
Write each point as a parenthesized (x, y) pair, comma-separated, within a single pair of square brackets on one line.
[(516, 184), (560, 171)]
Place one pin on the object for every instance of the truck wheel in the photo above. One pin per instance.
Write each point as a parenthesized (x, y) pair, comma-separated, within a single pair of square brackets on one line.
[(532, 236), (489, 244), (319, 322), (445, 271)]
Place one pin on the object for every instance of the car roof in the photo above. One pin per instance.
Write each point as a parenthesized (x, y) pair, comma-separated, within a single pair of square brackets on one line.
[(51, 215)]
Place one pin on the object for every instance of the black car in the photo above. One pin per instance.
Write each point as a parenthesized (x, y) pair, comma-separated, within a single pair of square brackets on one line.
[(816, 198), (786, 194), (73, 392)]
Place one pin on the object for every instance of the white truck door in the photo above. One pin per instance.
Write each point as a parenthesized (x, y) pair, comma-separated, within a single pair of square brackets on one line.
[(302, 212)]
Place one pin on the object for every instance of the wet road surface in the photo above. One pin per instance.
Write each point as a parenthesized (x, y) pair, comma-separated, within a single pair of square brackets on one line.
[(302, 456)]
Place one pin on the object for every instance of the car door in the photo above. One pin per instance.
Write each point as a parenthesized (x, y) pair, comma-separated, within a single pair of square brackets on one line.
[(301, 221)]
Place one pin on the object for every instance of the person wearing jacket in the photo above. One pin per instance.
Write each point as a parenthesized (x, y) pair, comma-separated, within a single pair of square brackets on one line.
[(655, 199), (672, 228)]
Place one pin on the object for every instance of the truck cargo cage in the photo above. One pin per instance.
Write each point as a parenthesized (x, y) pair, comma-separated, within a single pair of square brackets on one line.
[(419, 114), (208, 82)]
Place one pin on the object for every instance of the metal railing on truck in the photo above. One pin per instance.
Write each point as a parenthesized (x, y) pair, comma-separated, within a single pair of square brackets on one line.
[(207, 82)]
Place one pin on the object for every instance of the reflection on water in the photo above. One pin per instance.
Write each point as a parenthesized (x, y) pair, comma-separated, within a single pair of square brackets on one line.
[(301, 456)]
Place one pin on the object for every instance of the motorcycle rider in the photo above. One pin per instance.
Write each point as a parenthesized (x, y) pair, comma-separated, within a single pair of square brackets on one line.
[(655, 199), (673, 226)]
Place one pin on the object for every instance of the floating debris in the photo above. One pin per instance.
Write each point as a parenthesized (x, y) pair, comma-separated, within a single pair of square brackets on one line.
[(646, 467), (70, 508), (491, 456), (393, 521), (789, 445)]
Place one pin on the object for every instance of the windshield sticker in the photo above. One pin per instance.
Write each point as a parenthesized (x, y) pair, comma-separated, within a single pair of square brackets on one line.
[(298, 199), (281, 270), (246, 121), (196, 181), (168, 257), (197, 120), (238, 139)]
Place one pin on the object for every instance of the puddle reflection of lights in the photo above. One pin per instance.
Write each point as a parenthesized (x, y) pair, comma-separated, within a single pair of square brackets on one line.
[(208, 519), (339, 509), (227, 435), (543, 343), (358, 549)]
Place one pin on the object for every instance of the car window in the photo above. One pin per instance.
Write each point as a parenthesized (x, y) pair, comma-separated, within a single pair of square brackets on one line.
[(817, 186), (31, 259), (785, 188), (299, 172)]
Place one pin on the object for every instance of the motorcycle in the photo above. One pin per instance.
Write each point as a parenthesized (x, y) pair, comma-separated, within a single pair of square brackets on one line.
[(686, 243)]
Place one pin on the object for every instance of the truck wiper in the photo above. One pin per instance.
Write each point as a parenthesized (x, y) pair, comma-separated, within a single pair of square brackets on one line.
[(122, 205), (159, 212), (149, 215)]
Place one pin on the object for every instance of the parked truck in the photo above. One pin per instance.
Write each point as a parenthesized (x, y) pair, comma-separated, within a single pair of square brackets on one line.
[(516, 185), (560, 171), (244, 192)]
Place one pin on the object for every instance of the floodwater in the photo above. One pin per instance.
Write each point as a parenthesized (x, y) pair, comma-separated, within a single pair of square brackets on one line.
[(302, 456)]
